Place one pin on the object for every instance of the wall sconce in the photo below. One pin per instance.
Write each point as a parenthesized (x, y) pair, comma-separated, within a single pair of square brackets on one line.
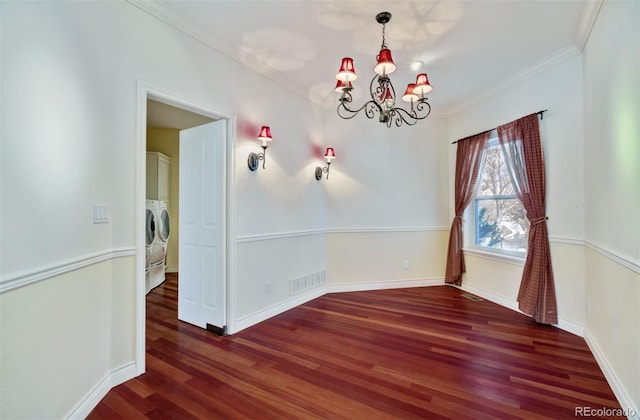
[(329, 155), (254, 158)]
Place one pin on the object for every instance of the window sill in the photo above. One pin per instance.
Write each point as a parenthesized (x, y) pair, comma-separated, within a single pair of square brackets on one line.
[(496, 256)]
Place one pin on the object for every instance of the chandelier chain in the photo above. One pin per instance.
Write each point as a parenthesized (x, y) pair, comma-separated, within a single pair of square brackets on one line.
[(384, 41)]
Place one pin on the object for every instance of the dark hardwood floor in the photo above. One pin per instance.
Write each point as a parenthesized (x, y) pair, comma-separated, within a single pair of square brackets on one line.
[(404, 353)]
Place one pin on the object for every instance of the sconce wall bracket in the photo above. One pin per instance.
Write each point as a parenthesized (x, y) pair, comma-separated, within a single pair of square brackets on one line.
[(320, 171), (254, 159)]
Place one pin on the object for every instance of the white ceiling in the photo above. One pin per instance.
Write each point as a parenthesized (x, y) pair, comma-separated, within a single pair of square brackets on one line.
[(470, 48)]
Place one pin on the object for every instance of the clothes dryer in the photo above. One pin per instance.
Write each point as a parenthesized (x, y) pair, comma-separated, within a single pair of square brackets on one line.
[(150, 235), (158, 247)]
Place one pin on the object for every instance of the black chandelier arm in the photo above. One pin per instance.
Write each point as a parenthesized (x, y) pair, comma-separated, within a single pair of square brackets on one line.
[(375, 93), (400, 115), (369, 107), (422, 106), (396, 117), (346, 96)]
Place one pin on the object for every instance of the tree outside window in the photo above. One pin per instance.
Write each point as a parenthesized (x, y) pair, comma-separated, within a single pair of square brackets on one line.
[(500, 218)]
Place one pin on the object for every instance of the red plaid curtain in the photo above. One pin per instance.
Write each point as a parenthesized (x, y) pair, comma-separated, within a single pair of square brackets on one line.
[(522, 149), (468, 156)]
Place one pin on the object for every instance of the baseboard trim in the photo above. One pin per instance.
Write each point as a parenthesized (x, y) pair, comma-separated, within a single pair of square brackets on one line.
[(44, 273), (618, 389), (563, 324), (171, 269), (93, 398), (263, 315), (381, 285)]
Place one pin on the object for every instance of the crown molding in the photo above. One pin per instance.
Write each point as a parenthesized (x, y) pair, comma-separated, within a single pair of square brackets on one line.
[(589, 17), (588, 20), (243, 58), (537, 68)]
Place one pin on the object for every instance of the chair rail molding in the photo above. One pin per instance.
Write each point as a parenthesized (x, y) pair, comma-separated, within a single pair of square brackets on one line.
[(47, 272)]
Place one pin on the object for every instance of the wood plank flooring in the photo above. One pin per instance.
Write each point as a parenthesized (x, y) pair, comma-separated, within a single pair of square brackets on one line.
[(407, 353)]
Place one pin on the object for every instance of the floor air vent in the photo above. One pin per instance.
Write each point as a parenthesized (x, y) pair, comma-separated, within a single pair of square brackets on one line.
[(471, 297)]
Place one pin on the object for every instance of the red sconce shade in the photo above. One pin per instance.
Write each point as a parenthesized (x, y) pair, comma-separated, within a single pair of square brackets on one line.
[(422, 85), (409, 94), (341, 85), (347, 73), (265, 134), (329, 155), (385, 63)]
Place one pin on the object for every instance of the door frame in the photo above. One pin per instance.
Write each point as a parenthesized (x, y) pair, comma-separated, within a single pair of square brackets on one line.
[(147, 91)]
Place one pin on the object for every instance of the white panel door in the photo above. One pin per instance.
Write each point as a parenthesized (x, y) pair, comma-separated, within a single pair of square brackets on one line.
[(201, 282)]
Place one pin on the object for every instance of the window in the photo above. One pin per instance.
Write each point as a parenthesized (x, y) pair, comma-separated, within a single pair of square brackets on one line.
[(499, 217)]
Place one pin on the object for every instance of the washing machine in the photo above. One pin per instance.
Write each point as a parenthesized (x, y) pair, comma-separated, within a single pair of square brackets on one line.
[(150, 235), (161, 224)]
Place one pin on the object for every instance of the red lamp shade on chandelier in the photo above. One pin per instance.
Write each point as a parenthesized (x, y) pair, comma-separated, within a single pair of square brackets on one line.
[(422, 85), (347, 72), (410, 95), (255, 158), (341, 85), (385, 63), (329, 155)]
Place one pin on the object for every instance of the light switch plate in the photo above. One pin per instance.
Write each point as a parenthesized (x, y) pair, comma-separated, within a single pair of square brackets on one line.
[(100, 213)]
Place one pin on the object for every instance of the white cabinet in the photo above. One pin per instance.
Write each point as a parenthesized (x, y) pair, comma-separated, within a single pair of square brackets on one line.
[(158, 167)]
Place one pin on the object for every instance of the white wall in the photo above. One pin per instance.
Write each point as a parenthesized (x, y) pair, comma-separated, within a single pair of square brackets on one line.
[(63, 336), (612, 195), (376, 259), (69, 86), (559, 90), (387, 177), (387, 198)]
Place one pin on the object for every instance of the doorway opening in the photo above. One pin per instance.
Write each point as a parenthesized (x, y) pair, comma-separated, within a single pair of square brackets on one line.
[(164, 124), (161, 120)]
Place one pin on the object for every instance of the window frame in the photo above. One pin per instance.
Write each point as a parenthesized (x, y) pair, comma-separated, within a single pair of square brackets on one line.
[(470, 239)]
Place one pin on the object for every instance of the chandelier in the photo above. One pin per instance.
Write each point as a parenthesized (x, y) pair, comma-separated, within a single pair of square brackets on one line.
[(383, 95)]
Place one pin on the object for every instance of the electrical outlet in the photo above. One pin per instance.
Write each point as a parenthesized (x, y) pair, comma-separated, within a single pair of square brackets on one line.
[(407, 264)]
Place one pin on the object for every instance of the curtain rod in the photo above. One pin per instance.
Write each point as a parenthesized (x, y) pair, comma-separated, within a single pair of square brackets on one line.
[(541, 113)]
